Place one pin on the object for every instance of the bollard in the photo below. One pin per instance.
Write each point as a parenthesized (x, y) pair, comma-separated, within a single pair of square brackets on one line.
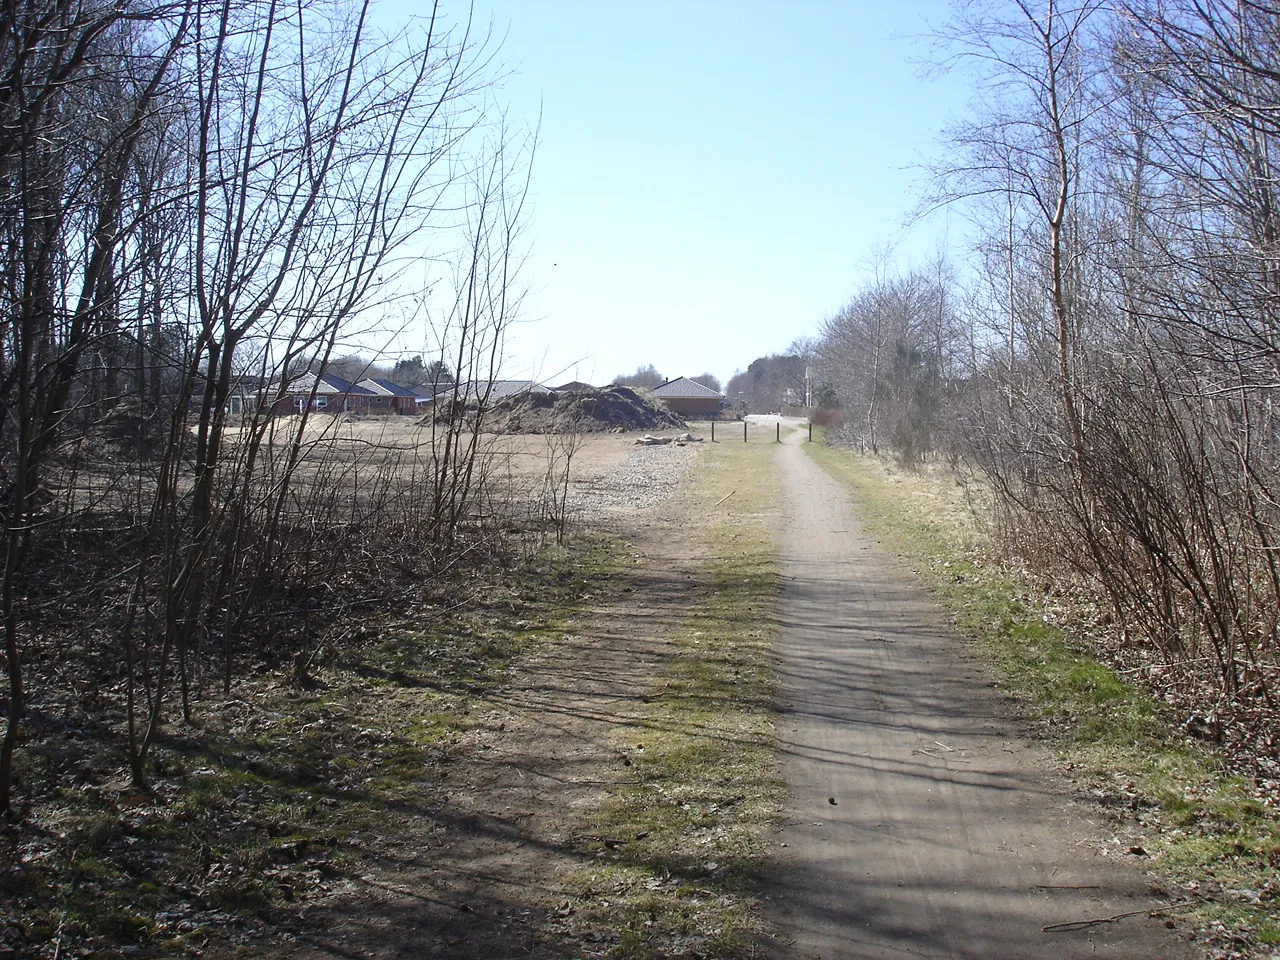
[(811, 431), (744, 431), (713, 431), (777, 432)]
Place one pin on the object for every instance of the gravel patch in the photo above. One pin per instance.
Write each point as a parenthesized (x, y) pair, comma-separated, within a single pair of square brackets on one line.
[(646, 478)]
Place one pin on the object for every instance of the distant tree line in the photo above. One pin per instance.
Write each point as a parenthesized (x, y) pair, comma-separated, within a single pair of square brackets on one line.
[(647, 377), (888, 360), (770, 383), (407, 371), (1110, 358)]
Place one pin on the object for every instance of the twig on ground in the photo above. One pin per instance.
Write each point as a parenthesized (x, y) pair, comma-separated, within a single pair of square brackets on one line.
[(1072, 925), (937, 757), (1066, 886)]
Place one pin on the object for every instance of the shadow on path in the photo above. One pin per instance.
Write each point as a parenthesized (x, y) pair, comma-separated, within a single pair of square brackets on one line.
[(946, 837)]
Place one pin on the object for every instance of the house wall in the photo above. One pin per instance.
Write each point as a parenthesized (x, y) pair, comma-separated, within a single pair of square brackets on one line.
[(371, 405), (284, 406), (333, 403), (692, 406)]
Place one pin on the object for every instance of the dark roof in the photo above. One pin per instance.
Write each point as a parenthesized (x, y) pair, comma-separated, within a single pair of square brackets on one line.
[(329, 384), (683, 388), (572, 385), (381, 385), (345, 386)]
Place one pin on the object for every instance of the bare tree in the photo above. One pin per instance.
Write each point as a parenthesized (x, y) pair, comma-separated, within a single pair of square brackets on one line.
[(886, 355), (320, 153), (79, 87), (209, 196), (767, 383), (486, 297), (646, 376), (1120, 175)]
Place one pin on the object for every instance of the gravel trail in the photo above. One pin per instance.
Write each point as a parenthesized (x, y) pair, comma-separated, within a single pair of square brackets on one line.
[(922, 824)]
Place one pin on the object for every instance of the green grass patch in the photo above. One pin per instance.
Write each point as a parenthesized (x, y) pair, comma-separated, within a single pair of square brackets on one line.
[(1208, 832), (694, 825)]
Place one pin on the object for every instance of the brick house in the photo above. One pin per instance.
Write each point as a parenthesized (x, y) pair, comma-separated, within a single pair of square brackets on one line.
[(401, 399), (688, 398), (326, 393)]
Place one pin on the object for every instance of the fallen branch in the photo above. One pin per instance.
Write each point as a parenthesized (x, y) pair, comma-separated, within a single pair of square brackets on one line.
[(1066, 886), (726, 497), (1071, 925), (936, 757)]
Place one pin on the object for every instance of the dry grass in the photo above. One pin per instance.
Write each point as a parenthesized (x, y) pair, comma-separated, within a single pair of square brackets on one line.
[(391, 453)]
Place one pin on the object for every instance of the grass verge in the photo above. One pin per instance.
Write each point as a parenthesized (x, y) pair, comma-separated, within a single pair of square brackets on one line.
[(1207, 832), (681, 845)]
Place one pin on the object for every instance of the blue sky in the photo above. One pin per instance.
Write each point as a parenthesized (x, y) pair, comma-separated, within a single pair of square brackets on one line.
[(713, 177)]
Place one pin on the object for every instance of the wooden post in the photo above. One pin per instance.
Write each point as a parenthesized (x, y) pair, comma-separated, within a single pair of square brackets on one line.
[(744, 431), (713, 431), (777, 432), (811, 431)]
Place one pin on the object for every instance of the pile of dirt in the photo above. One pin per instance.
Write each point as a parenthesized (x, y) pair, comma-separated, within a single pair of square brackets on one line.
[(125, 432), (607, 409)]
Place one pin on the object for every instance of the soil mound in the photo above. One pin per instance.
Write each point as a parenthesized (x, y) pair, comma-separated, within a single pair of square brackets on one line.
[(127, 432), (585, 411)]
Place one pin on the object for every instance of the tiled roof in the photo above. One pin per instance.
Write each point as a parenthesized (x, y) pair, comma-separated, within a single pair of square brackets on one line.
[(342, 386), (497, 389), (682, 388), (386, 388), (329, 385)]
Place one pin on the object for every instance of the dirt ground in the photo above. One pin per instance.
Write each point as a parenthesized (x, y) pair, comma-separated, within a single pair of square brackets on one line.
[(922, 822), (483, 867), (602, 410), (520, 455), (483, 870)]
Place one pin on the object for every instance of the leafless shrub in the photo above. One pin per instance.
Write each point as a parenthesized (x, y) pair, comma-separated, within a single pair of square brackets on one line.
[(205, 196), (1113, 363)]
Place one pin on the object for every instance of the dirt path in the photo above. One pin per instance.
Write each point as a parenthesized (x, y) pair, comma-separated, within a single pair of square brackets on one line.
[(485, 866), (921, 823), (492, 878)]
